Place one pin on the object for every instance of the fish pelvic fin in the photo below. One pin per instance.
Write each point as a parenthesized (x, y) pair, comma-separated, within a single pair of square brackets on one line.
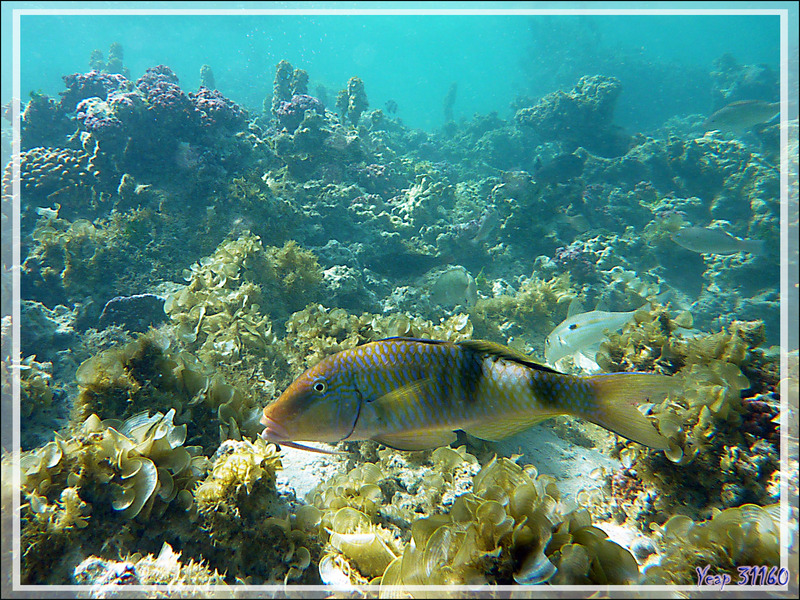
[(618, 395)]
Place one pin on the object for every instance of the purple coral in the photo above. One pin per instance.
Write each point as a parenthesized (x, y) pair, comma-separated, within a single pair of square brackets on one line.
[(759, 415), (96, 117), (291, 114), (169, 104), (218, 111), (81, 86), (581, 264)]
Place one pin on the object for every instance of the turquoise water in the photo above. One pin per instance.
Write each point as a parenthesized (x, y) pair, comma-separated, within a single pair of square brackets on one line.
[(413, 60)]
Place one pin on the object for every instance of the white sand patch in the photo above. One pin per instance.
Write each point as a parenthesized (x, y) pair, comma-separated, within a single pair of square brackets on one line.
[(569, 463), (303, 470)]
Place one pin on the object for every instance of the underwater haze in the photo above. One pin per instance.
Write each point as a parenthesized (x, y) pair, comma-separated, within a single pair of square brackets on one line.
[(399, 300), (414, 59)]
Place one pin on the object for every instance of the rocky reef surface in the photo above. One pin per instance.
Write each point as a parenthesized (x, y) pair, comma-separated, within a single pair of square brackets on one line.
[(183, 259)]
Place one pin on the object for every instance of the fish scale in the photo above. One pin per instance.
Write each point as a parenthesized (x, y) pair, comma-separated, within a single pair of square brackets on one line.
[(413, 394)]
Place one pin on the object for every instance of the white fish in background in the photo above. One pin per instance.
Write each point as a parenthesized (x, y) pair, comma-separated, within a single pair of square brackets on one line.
[(581, 334), (739, 116), (713, 240), (454, 286)]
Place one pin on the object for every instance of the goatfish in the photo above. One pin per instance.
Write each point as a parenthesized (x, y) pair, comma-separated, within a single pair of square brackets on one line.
[(737, 117), (412, 394), (581, 333), (708, 240)]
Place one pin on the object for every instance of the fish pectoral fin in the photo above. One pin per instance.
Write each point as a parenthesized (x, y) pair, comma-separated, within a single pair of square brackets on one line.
[(406, 398), (499, 429), (416, 440)]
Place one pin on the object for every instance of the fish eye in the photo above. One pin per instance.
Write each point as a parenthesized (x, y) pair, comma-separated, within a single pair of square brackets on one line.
[(320, 387)]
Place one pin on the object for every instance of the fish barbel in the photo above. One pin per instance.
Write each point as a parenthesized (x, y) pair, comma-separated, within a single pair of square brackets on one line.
[(411, 394)]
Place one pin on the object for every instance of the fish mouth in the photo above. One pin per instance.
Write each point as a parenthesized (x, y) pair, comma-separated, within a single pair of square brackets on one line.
[(273, 431)]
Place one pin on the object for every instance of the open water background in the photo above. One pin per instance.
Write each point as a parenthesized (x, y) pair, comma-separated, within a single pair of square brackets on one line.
[(662, 60)]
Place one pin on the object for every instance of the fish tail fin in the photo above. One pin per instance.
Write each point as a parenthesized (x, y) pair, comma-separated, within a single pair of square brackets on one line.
[(618, 395)]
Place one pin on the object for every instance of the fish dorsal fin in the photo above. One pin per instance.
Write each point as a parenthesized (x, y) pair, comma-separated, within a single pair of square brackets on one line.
[(575, 308), (411, 339), (416, 440), (496, 430), (498, 351), (602, 305)]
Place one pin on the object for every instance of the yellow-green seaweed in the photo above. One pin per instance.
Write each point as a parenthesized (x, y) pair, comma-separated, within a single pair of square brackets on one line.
[(748, 535)]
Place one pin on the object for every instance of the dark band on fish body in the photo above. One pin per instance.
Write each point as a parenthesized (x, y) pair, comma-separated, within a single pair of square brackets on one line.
[(470, 370), (496, 350)]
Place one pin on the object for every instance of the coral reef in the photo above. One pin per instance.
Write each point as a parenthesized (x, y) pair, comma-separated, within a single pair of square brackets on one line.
[(734, 82), (219, 312), (316, 332), (506, 525), (58, 177), (207, 78), (291, 114), (581, 117), (352, 101), (137, 468), (145, 374), (218, 112), (274, 240), (527, 314), (136, 313), (165, 569), (259, 534), (703, 421)]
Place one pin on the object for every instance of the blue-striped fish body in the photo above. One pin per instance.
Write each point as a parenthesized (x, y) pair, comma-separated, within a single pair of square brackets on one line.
[(412, 394)]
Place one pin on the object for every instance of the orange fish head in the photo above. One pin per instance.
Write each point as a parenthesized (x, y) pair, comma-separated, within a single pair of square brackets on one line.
[(319, 406)]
